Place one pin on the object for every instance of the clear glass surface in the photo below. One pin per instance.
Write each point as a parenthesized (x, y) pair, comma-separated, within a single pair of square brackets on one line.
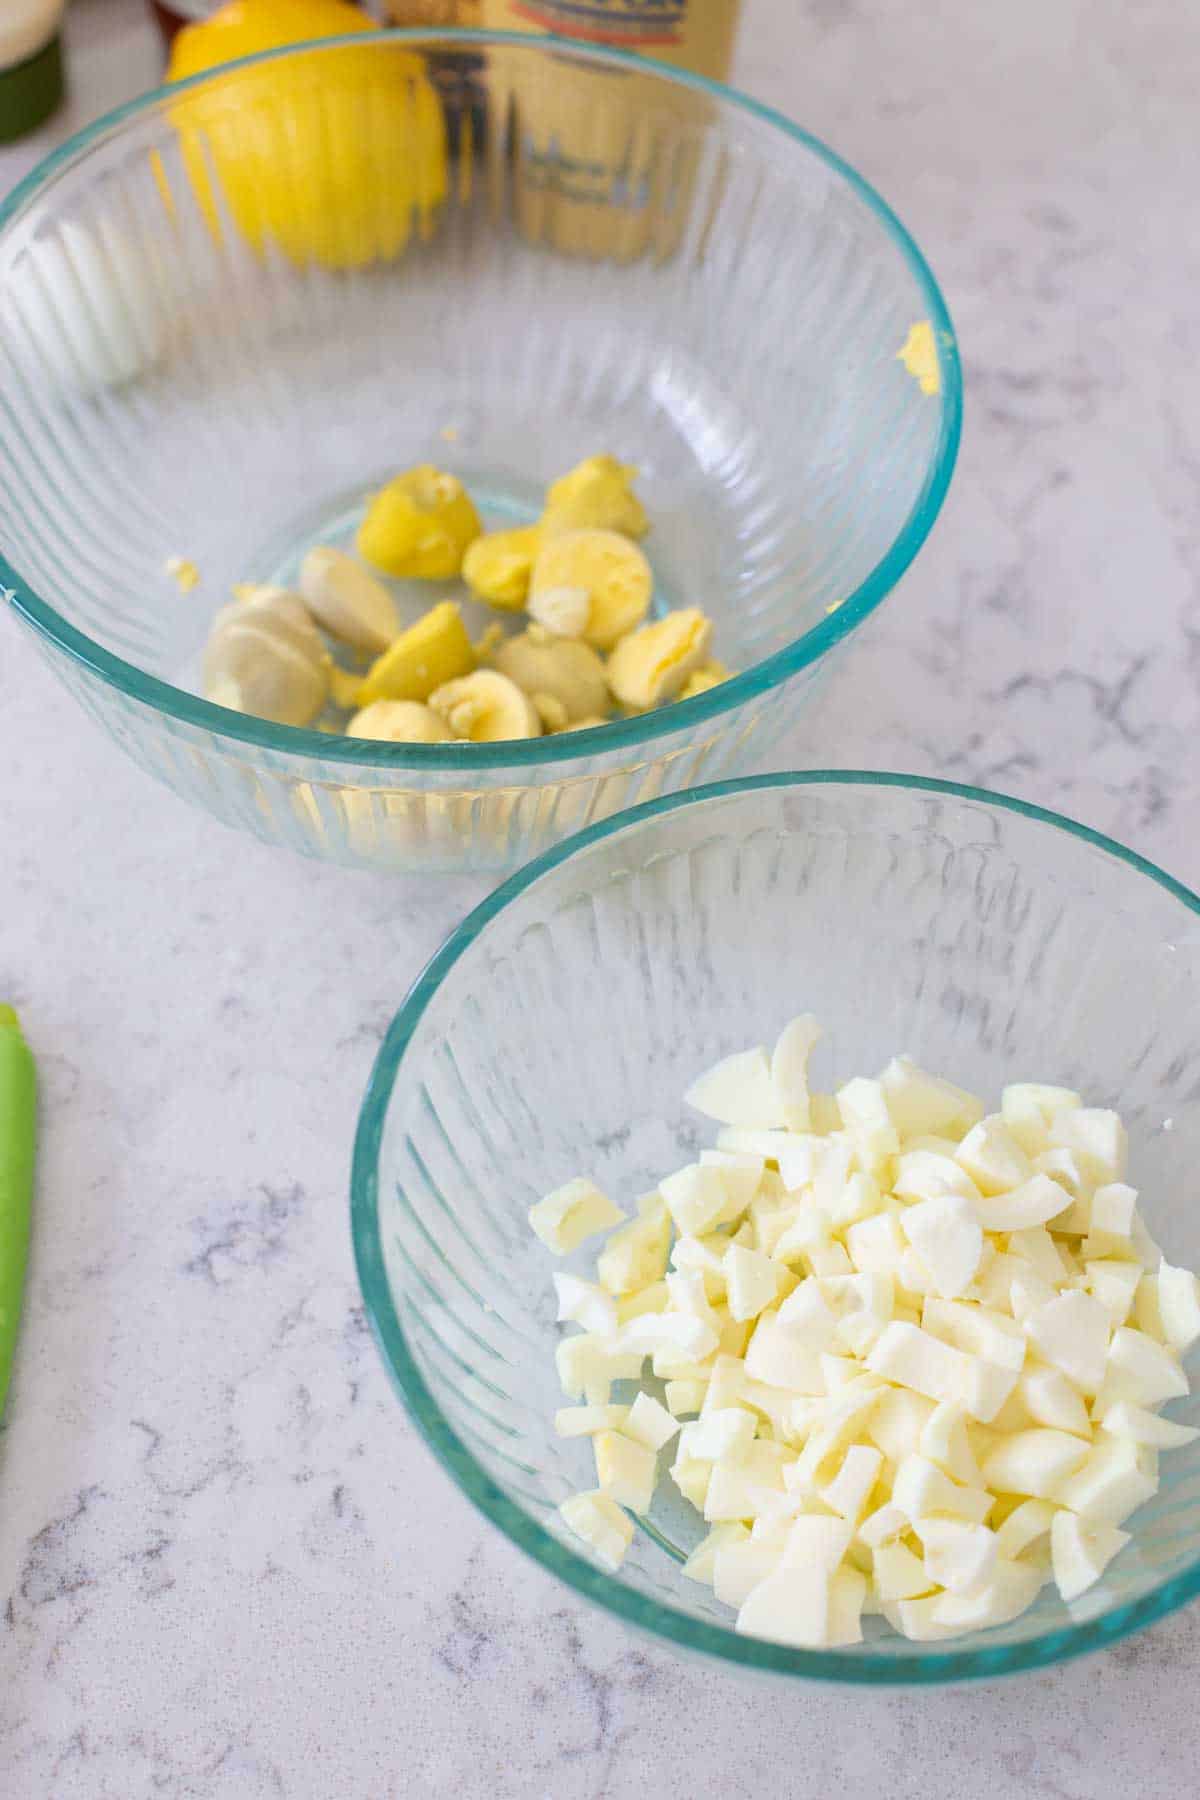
[(555, 1034), (229, 311)]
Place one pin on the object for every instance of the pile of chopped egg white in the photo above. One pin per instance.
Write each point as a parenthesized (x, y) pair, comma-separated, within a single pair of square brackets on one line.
[(920, 1351)]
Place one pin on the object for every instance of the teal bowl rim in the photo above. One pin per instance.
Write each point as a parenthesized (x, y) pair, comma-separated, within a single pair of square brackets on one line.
[(574, 747), (636, 1609)]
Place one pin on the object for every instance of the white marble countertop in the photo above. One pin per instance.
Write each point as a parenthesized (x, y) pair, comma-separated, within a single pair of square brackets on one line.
[(228, 1566)]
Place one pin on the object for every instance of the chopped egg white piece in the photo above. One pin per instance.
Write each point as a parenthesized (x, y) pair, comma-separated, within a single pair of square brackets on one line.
[(650, 1423), (701, 1565), (777, 1357), (847, 1494), (684, 1397), (899, 1574), (652, 1299), (807, 1316), (949, 1240), (993, 1158), (1114, 1207), (1179, 1306), (585, 1304), (588, 1365), (1029, 1108), (572, 1213), (723, 1435), (688, 1294), (816, 1542), (921, 1491), (625, 1470), (683, 1333), (1027, 1293), (1071, 1332), (636, 1256), (875, 1244), (945, 1442), (751, 1280), (959, 1556), (696, 1198), (1013, 1588), (1140, 1426), (1034, 1245), (1097, 1137), (912, 1358), (1050, 1398), (1027, 1523), (740, 1172), (1114, 1285), (897, 1421), (1034, 1462), (692, 1478), (1032, 1202), (863, 1105), (1113, 1480), (1144, 1370), (883, 1526), (925, 1173), (922, 1104), (920, 1348), (601, 1524), (739, 1091), (789, 1071), (1081, 1555), (739, 1568)]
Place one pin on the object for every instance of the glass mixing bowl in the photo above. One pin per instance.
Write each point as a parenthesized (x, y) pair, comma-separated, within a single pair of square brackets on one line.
[(232, 309), (555, 1034)]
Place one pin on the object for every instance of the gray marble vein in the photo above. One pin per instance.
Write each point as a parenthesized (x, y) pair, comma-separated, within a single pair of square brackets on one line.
[(228, 1567)]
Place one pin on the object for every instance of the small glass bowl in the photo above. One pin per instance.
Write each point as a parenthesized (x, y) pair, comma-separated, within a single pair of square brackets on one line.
[(231, 310), (556, 1031)]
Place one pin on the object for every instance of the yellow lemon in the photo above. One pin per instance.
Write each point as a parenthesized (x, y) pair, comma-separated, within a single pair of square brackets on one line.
[(329, 157)]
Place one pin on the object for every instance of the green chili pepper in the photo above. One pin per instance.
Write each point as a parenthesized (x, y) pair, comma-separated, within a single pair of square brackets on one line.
[(17, 1109)]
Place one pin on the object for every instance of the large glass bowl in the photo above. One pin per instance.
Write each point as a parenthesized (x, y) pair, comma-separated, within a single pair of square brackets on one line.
[(557, 1030), (230, 310)]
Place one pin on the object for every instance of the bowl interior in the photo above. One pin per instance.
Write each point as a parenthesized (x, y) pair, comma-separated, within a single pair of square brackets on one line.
[(232, 313), (555, 1036)]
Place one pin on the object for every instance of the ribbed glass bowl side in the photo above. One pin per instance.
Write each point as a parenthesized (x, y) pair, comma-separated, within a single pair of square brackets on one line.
[(555, 1035), (197, 364), (366, 815)]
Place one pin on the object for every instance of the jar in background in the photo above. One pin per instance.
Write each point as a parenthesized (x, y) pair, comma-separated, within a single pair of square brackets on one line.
[(454, 73), (603, 163), (432, 15)]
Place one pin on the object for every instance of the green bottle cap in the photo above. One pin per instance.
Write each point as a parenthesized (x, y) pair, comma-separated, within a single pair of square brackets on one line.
[(30, 91)]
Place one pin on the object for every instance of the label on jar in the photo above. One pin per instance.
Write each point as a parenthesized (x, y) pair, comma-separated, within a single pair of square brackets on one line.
[(695, 34)]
